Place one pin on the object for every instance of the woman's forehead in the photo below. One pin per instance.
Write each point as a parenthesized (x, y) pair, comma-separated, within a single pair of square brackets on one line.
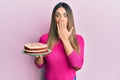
[(61, 10)]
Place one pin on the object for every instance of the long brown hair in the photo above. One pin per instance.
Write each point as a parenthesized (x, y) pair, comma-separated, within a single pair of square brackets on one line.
[(53, 34)]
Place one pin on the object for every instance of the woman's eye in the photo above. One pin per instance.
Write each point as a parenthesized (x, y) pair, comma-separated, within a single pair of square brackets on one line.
[(56, 15), (65, 15)]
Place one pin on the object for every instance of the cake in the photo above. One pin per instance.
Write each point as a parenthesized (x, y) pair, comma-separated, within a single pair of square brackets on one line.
[(35, 48)]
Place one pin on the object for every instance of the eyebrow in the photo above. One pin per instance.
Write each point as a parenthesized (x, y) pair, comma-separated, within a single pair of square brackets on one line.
[(57, 13)]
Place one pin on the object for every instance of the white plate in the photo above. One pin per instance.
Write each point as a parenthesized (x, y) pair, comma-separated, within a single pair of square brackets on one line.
[(37, 54)]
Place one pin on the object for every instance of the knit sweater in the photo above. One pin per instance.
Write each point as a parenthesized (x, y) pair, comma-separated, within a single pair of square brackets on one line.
[(59, 66)]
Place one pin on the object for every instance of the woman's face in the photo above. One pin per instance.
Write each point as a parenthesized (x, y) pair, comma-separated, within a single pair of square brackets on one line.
[(61, 15)]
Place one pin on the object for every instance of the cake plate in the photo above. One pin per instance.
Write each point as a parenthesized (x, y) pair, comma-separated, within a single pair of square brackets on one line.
[(37, 54)]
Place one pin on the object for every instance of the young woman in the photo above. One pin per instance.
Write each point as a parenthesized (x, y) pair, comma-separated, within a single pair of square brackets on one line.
[(67, 47)]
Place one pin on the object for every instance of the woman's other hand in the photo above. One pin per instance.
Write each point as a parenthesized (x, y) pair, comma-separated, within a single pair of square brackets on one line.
[(63, 32), (39, 60)]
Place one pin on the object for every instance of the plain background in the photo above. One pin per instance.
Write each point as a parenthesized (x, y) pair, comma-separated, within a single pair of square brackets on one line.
[(22, 21)]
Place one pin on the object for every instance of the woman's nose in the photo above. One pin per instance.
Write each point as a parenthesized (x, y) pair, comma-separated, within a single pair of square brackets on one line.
[(61, 18)]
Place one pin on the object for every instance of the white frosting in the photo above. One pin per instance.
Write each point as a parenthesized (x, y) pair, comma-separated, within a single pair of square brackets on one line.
[(35, 45)]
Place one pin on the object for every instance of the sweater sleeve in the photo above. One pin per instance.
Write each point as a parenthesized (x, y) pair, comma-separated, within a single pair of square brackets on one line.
[(42, 39), (76, 59)]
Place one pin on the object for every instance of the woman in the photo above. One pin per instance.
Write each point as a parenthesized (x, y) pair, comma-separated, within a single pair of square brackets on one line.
[(67, 47)]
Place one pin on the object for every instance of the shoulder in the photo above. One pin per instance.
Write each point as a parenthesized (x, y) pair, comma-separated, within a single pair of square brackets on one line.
[(43, 38), (80, 40), (79, 37)]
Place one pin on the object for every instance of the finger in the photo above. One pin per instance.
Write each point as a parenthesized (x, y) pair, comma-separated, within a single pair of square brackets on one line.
[(36, 56), (58, 27), (60, 24), (40, 56), (64, 26)]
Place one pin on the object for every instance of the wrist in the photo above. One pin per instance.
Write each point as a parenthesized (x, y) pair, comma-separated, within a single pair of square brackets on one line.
[(68, 47), (65, 40)]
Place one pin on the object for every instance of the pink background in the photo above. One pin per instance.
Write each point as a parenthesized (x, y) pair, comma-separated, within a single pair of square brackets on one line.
[(98, 21)]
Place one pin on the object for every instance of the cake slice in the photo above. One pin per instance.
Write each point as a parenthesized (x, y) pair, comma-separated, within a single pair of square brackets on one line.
[(35, 48)]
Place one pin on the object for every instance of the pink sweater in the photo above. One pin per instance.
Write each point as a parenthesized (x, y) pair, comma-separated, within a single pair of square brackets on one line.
[(59, 66)]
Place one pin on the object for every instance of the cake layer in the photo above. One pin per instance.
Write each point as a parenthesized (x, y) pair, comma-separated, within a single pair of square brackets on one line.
[(35, 46), (26, 48)]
